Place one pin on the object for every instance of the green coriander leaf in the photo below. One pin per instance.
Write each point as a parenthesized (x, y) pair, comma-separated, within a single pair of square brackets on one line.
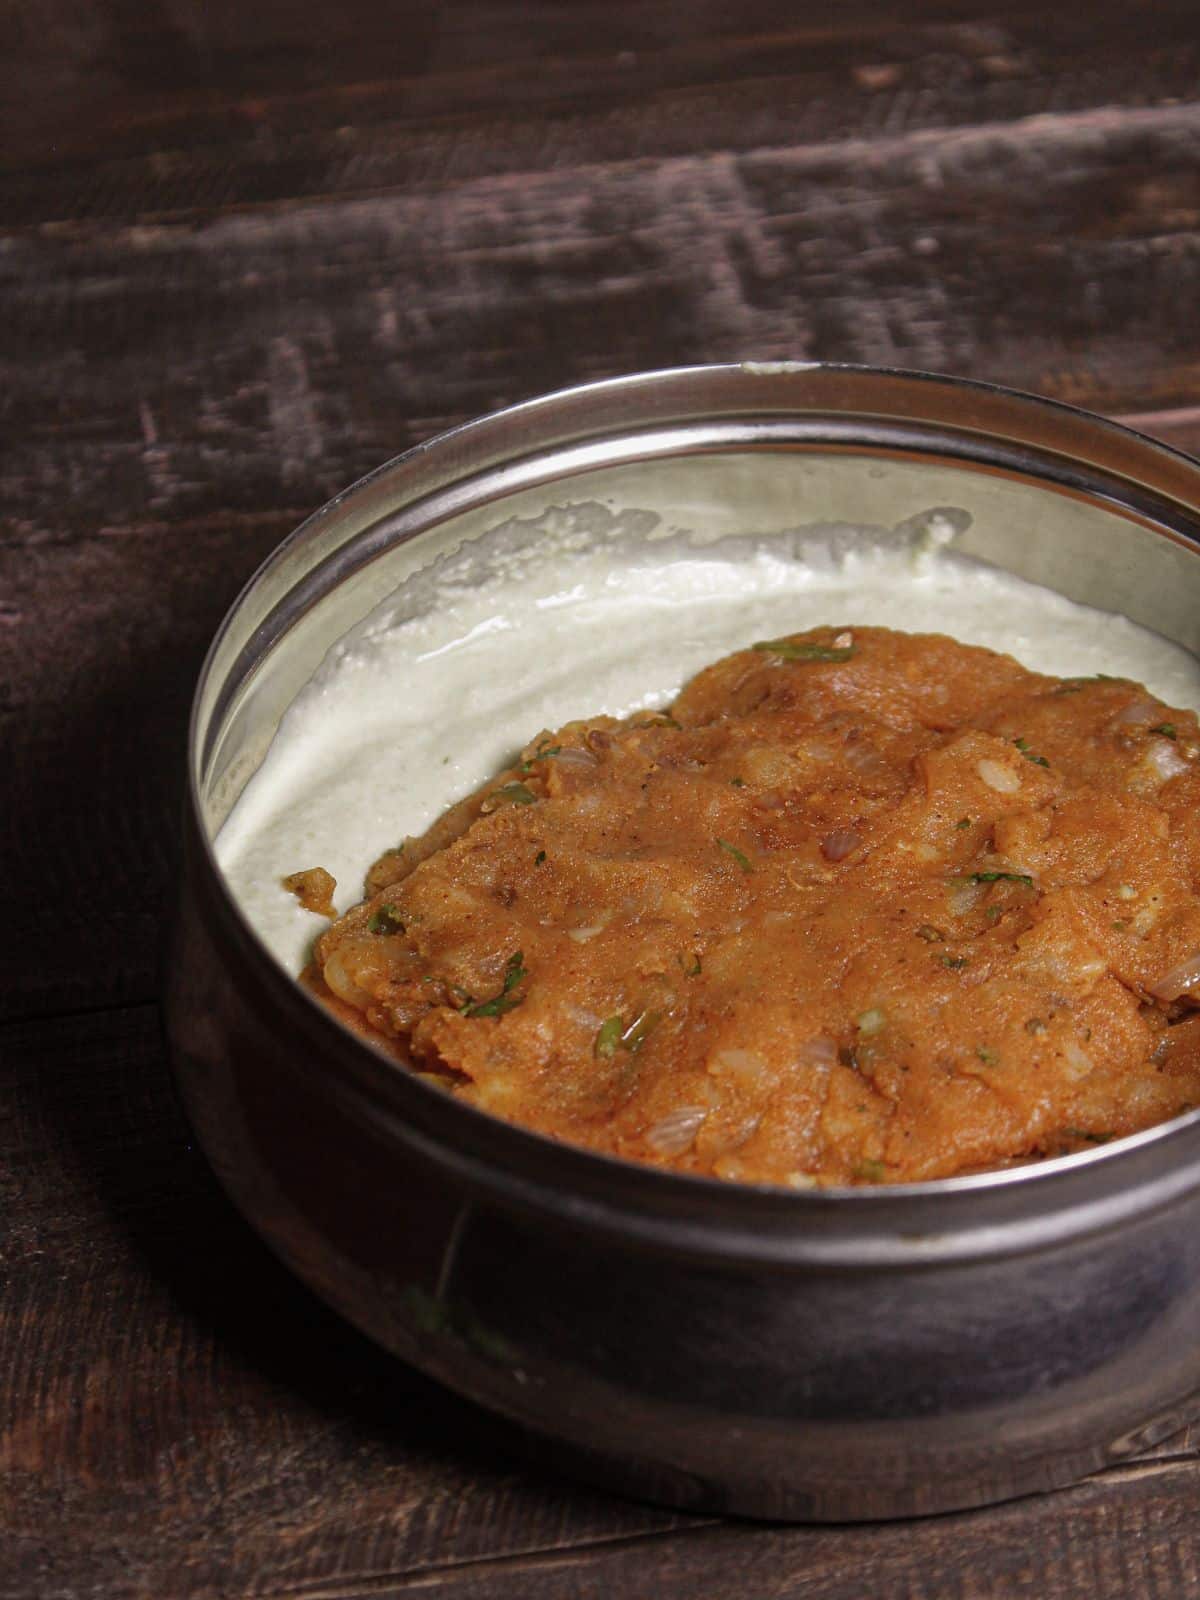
[(1001, 877), (1167, 729), (514, 972), (386, 919), (544, 752), (1074, 685), (738, 855), (1023, 746)]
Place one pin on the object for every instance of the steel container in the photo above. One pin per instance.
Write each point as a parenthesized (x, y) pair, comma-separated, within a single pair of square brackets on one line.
[(839, 1354)]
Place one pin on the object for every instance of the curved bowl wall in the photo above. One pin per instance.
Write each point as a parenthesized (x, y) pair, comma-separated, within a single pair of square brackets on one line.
[(841, 1354)]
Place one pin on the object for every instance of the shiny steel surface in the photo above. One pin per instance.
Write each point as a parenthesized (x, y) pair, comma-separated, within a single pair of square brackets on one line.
[(840, 1354)]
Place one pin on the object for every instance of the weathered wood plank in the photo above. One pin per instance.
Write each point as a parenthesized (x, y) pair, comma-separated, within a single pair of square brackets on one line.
[(100, 642), (177, 1415), (1109, 1539), (266, 360), (248, 110)]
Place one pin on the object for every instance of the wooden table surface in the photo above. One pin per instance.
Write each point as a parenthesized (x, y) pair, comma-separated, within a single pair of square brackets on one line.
[(249, 251)]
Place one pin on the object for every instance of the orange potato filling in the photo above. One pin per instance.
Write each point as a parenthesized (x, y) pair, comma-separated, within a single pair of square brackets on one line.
[(860, 907)]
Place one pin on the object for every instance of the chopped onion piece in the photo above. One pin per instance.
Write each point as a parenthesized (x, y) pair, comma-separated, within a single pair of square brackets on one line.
[(1079, 1063), (1137, 711), (872, 1021), (998, 775), (672, 1134), (964, 895), (1180, 980), (1164, 756), (865, 759), (743, 1065), (837, 846), (573, 755), (820, 1051)]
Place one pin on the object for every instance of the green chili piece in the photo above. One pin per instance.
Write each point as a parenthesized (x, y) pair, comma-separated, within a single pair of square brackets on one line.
[(795, 650), (608, 1037), (636, 1034)]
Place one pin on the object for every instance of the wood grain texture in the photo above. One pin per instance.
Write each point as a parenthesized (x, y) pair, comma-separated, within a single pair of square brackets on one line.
[(177, 1414), (239, 109), (246, 254), (252, 361)]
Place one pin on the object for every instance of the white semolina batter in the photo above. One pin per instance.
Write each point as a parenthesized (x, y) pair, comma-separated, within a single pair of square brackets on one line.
[(403, 718)]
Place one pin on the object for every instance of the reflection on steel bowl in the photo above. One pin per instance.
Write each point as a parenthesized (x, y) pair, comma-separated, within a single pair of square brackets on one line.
[(840, 1352)]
